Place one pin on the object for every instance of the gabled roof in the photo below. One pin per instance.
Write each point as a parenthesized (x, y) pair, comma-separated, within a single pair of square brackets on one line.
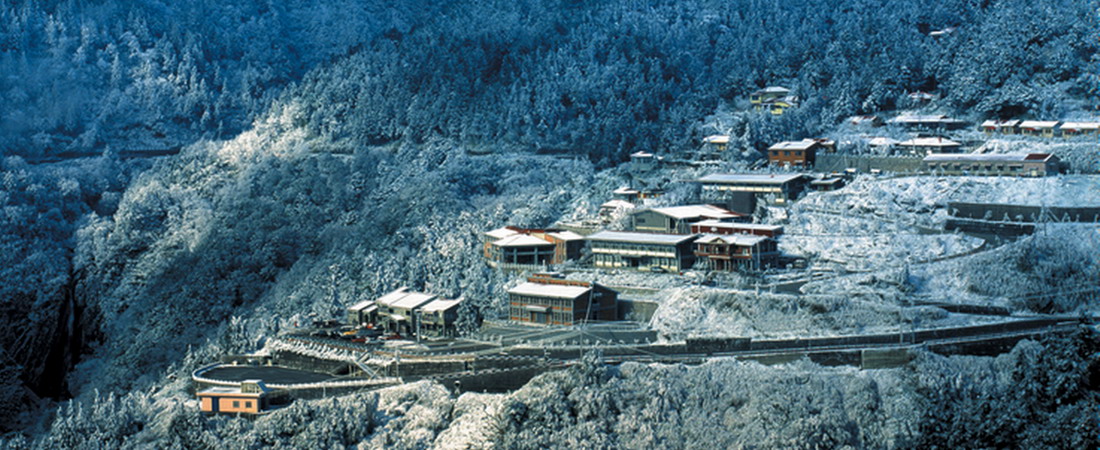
[(881, 141), (440, 305), (1000, 123), (549, 290), (640, 238), (567, 235), (804, 144), (826, 181), (1080, 126), (1039, 124), (501, 233), (625, 191), (618, 204), (641, 154), (766, 179), (361, 306), (772, 90), (402, 298), (693, 211), (520, 240), (732, 239), (929, 142), (717, 139)]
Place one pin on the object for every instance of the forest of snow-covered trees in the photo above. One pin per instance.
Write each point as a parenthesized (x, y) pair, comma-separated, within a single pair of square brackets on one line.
[(335, 150)]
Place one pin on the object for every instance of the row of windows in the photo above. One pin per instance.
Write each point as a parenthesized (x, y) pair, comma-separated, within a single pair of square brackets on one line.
[(628, 246), (797, 153), (969, 166), (559, 303)]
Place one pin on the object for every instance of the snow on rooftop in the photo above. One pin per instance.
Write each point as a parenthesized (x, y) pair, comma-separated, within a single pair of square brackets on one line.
[(501, 233), (749, 178), (733, 239), (881, 142), (640, 238), (641, 155), (935, 157), (440, 305), (1000, 123), (929, 142), (393, 296), (773, 90), (691, 211), (625, 190), (567, 235), (402, 298), (520, 240), (549, 290), (738, 226), (804, 144), (361, 305), (618, 204), (1039, 124), (717, 139), (1080, 126)]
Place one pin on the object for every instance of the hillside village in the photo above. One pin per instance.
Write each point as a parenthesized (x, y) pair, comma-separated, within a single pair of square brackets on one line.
[(596, 280)]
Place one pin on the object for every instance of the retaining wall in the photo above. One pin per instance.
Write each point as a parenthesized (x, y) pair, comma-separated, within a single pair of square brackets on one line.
[(837, 163)]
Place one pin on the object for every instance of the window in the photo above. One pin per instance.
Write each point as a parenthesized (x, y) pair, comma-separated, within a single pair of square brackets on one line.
[(248, 404), (236, 404)]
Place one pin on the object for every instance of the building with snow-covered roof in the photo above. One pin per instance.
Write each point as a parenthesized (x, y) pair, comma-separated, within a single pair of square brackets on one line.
[(770, 93), (728, 252), (796, 154), (928, 145), (643, 160), (865, 121), (1043, 128), (678, 219), (362, 313), (250, 397), (1008, 164), (1079, 128), (928, 122), (1000, 126), (437, 318), (776, 189), (653, 251), (533, 248), (719, 227), (549, 299)]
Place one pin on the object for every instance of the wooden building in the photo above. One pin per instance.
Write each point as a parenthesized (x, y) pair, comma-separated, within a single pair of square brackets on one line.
[(1042, 128), (724, 228), (794, 154), (928, 145), (1006, 164), (437, 318), (646, 251), (1079, 128), (1000, 126), (547, 299), (774, 189), (251, 397), (678, 219), (731, 252), (513, 246)]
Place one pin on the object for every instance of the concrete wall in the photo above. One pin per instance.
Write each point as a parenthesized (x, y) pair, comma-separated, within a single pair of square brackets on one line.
[(1022, 213), (636, 310)]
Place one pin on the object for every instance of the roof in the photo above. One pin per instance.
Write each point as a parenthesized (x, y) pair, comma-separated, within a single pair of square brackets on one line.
[(804, 144), (625, 190), (549, 290), (361, 305), (929, 142), (825, 181), (733, 239), (500, 233), (640, 238), (1000, 123), (920, 95), (402, 298), (691, 211), (440, 305), (881, 142), (1039, 124), (568, 235), (1008, 157), (1080, 126), (862, 119), (730, 178), (740, 226), (641, 155), (520, 240), (772, 90), (717, 139), (618, 204)]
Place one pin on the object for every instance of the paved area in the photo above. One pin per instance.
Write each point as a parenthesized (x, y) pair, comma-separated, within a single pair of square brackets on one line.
[(270, 375)]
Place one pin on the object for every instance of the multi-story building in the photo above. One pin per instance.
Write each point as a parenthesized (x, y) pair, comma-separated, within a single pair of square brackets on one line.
[(647, 251), (794, 154), (549, 299), (726, 228), (437, 318), (736, 252), (522, 247), (775, 189), (928, 145)]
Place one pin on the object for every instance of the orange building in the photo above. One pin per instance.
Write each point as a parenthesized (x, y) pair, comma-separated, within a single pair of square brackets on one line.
[(797, 154), (548, 299), (250, 398)]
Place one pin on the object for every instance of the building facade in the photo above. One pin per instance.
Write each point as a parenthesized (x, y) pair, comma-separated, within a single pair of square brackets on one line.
[(1041, 128), (1000, 126), (737, 252), (552, 300), (1079, 128), (251, 397), (794, 154), (727, 228), (1004, 164), (928, 145), (777, 189), (437, 318), (534, 248), (396, 310), (642, 251)]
